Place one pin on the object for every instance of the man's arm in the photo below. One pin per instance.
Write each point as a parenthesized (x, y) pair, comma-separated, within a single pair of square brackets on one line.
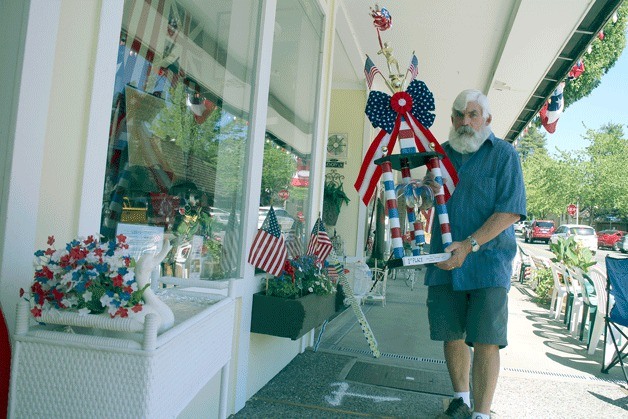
[(494, 225)]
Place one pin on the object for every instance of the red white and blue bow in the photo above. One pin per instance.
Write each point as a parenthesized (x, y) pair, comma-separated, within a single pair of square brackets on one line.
[(415, 106)]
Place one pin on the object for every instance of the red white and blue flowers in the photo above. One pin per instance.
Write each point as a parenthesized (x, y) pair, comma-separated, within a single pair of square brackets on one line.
[(87, 276)]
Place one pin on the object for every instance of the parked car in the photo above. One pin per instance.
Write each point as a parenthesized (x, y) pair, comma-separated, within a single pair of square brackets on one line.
[(539, 230), (622, 244), (583, 234), (284, 219), (609, 238), (520, 227)]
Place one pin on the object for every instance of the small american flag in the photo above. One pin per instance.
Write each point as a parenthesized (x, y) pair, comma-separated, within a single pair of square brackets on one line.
[(229, 255), (320, 244), (414, 67), (268, 251), (370, 71), (293, 244)]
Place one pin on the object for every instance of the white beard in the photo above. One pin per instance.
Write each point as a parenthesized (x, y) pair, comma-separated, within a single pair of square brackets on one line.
[(466, 140)]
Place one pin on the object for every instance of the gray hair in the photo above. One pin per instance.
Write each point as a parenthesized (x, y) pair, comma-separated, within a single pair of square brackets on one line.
[(472, 95)]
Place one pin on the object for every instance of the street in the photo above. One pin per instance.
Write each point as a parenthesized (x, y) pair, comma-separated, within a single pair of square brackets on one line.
[(542, 249)]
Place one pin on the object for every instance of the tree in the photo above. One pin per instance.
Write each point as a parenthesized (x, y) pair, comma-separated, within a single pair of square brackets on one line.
[(279, 167), (533, 142), (604, 54)]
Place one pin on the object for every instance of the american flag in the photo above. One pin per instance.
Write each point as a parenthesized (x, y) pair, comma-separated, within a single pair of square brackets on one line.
[(414, 67), (268, 251), (370, 71), (320, 244), (293, 244), (550, 112), (229, 255)]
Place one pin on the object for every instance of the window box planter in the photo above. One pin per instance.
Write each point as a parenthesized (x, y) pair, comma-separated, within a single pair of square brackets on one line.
[(290, 318)]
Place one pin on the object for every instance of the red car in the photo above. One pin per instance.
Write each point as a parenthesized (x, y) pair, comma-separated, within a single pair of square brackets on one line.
[(540, 230), (609, 238)]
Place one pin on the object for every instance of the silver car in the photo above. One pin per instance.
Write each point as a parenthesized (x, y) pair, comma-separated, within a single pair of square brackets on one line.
[(622, 244), (583, 234)]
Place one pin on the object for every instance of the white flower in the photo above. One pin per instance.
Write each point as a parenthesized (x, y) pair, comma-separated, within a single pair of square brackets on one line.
[(83, 311), (310, 289), (87, 296)]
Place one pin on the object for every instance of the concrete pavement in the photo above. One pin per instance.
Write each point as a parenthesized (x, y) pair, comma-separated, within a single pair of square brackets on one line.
[(545, 372)]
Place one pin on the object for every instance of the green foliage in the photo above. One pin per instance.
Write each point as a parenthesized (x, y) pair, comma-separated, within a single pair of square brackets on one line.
[(335, 195), (301, 276), (545, 284), (279, 167), (604, 54), (593, 177), (571, 254)]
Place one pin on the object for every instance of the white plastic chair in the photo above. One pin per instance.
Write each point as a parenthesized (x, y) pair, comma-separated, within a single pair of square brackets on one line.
[(599, 282), (574, 299), (587, 303), (378, 289), (559, 294)]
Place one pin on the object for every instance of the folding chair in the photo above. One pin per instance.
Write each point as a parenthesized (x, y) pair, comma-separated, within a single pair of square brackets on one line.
[(617, 314), (598, 277)]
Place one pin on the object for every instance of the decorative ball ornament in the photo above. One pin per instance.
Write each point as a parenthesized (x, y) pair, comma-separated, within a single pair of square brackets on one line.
[(384, 149)]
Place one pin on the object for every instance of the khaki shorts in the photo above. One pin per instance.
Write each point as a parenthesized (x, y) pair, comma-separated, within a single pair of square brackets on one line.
[(477, 316)]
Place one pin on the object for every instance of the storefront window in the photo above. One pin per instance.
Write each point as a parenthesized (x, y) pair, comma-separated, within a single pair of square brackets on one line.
[(180, 128), (291, 123)]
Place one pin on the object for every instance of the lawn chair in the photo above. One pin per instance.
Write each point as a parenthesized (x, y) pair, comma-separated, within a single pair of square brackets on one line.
[(587, 304), (598, 277), (559, 294), (617, 318)]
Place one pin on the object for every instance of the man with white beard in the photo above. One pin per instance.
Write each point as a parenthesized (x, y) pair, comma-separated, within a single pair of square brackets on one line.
[(468, 294)]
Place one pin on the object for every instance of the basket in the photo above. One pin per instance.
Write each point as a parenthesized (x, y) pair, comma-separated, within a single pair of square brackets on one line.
[(134, 215)]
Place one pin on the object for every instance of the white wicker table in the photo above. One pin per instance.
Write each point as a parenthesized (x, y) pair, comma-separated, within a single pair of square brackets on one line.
[(126, 373)]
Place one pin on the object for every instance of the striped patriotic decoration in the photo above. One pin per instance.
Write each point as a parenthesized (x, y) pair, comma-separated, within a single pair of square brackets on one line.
[(268, 251), (229, 253), (320, 244)]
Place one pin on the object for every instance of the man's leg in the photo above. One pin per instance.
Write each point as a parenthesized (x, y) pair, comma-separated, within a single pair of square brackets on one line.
[(485, 373), (458, 358)]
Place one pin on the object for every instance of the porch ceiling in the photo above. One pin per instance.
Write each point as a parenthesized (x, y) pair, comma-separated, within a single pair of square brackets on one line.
[(516, 51)]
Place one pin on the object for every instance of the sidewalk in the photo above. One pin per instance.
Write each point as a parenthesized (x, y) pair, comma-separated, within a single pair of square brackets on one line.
[(545, 373)]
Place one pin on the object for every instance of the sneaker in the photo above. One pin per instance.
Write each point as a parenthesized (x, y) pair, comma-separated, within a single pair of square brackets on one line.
[(457, 409)]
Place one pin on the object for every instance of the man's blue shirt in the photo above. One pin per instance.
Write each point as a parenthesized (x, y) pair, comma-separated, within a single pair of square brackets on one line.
[(490, 181)]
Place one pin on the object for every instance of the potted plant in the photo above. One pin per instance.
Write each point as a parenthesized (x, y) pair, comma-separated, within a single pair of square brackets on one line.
[(295, 302), (333, 198)]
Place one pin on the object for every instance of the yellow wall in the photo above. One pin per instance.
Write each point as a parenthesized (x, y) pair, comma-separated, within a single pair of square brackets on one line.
[(347, 116), (64, 150)]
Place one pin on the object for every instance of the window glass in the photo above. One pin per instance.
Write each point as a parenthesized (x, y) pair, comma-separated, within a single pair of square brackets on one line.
[(180, 127), (291, 122)]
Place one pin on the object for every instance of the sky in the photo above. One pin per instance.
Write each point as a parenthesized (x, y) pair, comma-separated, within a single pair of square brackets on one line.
[(607, 103)]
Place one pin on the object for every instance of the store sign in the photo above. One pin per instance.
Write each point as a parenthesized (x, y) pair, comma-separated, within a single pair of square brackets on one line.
[(335, 164)]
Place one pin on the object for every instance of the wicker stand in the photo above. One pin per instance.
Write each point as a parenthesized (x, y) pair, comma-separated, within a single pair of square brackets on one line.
[(128, 373)]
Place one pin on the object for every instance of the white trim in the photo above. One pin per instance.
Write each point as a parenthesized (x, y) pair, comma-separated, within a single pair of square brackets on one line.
[(246, 287), (90, 210), (24, 183)]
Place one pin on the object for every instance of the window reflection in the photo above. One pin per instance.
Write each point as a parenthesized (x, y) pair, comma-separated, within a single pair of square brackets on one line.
[(179, 128), (291, 121)]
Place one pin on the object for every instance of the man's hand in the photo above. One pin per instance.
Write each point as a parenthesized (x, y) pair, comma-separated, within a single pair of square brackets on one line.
[(459, 252)]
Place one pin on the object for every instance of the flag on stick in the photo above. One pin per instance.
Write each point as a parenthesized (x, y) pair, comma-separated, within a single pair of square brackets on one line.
[(229, 255), (293, 244), (268, 251), (320, 244), (414, 67), (370, 71)]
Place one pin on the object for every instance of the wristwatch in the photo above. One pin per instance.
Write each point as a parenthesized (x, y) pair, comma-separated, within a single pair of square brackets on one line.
[(474, 244)]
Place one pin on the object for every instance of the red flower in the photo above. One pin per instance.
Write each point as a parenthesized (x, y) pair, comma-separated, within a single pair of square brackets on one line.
[(122, 312), (121, 238), (49, 251), (51, 240), (36, 312), (89, 240), (118, 281), (99, 252), (137, 308)]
